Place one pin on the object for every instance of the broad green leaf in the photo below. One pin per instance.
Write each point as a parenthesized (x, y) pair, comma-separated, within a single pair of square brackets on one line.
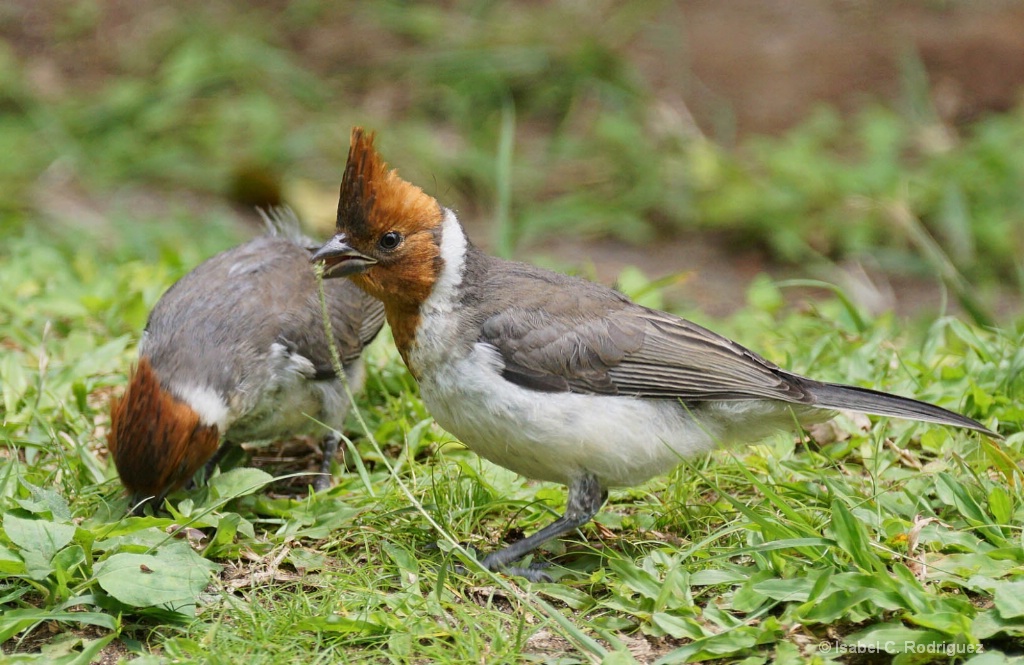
[(305, 559), (239, 482), (956, 567), (41, 536), (952, 624), (140, 542), (895, 638), (621, 657), (170, 577), (45, 500), (574, 598), (227, 527), (1000, 505), (635, 578), (13, 622), (678, 627), (725, 644), (37, 565), (833, 606), (852, 537), (403, 558), (796, 589), (713, 576), (914, 596), (675, 585), (989, 623), (1009, 599), (748, 598), (10, 562), (144, 531), (68, 559)]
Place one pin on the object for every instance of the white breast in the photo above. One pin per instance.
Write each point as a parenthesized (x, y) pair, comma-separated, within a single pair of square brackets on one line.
[(559, 436)]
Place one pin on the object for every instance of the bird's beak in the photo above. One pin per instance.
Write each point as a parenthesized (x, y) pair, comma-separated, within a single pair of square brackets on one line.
[(340, 259)]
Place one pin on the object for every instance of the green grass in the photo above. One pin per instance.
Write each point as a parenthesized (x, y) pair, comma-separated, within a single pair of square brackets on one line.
[(857, 537), (896, 532)]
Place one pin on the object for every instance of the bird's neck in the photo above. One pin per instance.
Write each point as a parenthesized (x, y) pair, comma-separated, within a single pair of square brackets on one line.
[(404, 319), (458, 257)]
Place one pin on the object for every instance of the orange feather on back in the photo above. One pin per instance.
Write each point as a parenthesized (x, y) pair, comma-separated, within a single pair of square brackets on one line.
[(132, 439)]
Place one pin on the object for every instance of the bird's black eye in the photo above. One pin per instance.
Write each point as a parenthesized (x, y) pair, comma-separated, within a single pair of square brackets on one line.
[(390, 240)]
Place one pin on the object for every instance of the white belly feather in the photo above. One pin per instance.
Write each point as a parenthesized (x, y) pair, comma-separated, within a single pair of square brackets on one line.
[(559, 436)]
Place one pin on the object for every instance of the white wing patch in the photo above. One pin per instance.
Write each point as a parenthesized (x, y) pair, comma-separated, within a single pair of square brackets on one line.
[(205, 401)]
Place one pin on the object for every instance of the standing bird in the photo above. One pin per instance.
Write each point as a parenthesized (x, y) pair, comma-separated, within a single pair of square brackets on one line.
[(555, 377), (236, 351)]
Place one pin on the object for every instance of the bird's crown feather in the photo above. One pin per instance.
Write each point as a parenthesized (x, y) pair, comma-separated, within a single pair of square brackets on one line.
[(373, 196)]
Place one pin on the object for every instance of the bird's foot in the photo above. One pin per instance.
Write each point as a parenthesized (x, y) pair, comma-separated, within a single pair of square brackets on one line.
[(535, 572), (497, 562)]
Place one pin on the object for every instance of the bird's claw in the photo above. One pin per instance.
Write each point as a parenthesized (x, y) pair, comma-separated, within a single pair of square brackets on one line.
[(533, 573)]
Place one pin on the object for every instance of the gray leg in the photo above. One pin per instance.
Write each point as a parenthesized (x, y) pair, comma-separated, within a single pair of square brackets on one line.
[(330, 449), (586, 496)]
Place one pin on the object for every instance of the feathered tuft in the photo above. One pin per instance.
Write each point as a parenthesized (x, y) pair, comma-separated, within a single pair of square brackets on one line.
[(157, 442), (372, 196), (282, 222)]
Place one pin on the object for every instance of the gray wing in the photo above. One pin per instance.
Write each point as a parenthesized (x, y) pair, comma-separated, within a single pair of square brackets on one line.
[(600, 346), (356, 318), (681, 359), (231, 309)]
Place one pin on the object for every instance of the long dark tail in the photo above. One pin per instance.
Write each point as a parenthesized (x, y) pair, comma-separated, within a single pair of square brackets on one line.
[(835, 396)]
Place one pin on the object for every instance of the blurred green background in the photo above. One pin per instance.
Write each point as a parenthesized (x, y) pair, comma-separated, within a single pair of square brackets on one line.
[(875, 146)]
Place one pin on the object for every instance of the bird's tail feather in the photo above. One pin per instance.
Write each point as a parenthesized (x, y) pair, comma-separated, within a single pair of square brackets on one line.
[(835, 396)]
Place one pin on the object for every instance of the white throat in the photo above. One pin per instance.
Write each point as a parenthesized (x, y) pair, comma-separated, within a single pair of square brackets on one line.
[(453, 252), (438, 316)]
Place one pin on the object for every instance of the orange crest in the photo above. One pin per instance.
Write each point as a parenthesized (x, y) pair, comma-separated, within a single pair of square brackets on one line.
[(375, 202), (373, 198), (157, 442)]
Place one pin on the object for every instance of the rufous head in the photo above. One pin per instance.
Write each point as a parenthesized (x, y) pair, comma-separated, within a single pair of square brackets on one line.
[(388, 232), (157, 441)]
